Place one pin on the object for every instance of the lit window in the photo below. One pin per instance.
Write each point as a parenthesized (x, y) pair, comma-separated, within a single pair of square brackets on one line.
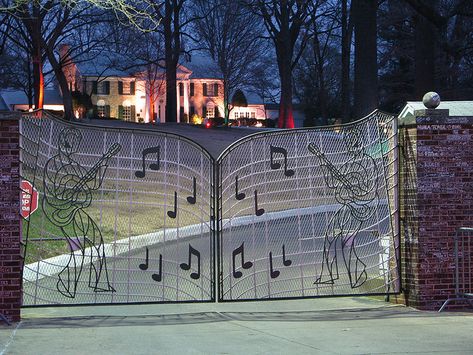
[(103, 88), (126, 87), (127, 113), (210, 89), (101, 111), (210, 112)]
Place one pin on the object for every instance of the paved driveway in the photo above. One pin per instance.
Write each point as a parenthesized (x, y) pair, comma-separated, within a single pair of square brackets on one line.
[(215, 140), (317, 326)]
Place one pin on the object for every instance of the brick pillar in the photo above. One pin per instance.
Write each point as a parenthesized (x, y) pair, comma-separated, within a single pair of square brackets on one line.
[(436, 198), (10, 252)]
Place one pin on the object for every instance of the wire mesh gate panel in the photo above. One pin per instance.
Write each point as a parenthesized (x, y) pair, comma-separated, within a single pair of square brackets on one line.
[(310, 212), (122, 215)]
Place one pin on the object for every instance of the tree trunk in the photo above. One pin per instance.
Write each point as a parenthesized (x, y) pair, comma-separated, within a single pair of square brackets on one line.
[(172, 49), (37, 60), (171, 92), (366, 66), (284, 51), (425, 37), (286, 118), (347, 29), (63, 84), (321, 94)]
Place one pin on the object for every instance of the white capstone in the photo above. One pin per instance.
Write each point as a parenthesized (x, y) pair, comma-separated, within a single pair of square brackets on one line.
[(431, 100)]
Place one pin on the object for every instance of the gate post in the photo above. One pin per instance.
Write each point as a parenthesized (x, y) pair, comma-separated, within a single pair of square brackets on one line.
[(10, 248), (436, 198)]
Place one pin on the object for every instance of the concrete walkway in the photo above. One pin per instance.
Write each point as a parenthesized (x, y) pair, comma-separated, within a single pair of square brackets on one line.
[(318, 326)]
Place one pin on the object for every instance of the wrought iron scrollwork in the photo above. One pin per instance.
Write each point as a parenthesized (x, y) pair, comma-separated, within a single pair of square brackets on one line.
[(68, 188)]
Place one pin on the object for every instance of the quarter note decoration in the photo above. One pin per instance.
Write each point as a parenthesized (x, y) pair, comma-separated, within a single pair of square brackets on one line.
[(275, 165), (159, 276), (192, 199), (153, 166), (187, 266), (238, 195), (273, 273), (245, 265), (173, 214), (286, 262), (144, 266), (258, 211)]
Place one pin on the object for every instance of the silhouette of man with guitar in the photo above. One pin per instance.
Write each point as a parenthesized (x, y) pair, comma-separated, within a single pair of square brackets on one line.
[(68, 188), (355, 184)]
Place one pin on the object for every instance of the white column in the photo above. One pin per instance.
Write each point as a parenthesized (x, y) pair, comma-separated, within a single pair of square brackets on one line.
[(186, 100)]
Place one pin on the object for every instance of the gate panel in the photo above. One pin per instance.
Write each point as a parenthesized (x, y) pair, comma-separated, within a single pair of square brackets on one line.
[(310, 212), (124, 216)]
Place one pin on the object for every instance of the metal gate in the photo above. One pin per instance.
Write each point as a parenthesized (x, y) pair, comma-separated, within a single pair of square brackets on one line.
[(310, 212), (124, 215), (128, 216)]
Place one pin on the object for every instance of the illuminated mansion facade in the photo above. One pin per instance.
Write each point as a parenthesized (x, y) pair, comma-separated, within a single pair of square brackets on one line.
[(141, 96)]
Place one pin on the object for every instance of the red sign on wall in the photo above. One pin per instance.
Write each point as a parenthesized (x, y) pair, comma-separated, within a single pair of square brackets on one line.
[(29, 199)]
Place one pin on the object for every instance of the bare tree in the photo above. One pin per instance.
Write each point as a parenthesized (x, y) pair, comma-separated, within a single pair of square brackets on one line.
[(366, 64), (433, 21), (346, 40), (285, 22), (231, 34)]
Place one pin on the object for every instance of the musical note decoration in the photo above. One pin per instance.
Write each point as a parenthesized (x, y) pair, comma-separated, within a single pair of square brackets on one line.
[(273, 273), (153, 166), (192, 199), (258, 211), (245, 265), (159, 276), (238, 195), (187, 266), (286, 262), (144, 266), (275, 165), (173, 213)]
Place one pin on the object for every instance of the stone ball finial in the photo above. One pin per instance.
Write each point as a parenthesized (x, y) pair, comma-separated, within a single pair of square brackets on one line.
[(431, 100)]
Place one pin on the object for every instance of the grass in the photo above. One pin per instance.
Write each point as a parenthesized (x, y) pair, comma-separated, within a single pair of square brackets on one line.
[(119, 215)]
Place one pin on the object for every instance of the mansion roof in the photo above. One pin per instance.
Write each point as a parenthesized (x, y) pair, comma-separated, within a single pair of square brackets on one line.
[(111, 64)]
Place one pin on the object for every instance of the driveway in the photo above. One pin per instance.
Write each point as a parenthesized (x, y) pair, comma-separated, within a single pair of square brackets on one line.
[(215, 140)]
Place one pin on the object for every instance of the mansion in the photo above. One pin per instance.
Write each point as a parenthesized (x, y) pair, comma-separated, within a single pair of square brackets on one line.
[(141, 96)]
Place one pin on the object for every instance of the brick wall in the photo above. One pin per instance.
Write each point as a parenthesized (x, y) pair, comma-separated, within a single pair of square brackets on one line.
[(436, 199), (10, 252)]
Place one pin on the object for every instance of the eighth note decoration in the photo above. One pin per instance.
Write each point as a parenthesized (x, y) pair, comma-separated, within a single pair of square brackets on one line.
[(244, 264), (153, 166), (187, 266), (274, 165)]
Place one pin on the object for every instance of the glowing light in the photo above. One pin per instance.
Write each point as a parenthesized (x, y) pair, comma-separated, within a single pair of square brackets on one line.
[(207, 125)]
